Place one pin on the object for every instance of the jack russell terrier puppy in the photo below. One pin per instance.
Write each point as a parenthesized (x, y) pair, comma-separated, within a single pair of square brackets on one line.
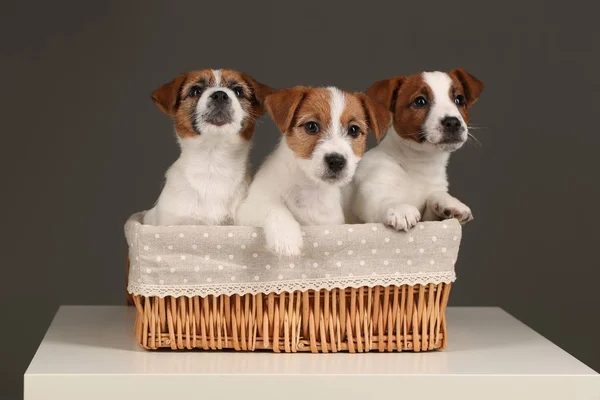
[(214, 112), (324, 136), (403, 179)]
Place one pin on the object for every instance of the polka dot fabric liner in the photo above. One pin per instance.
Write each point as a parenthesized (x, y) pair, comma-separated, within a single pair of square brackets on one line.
[(215, 260)]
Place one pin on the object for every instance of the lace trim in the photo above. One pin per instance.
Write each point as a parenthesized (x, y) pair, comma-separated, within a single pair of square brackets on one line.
[(252, 288)]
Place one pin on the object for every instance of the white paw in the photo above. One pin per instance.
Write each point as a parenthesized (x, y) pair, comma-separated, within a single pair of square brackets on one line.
[(453, 209), (402, 217), (285, 243)]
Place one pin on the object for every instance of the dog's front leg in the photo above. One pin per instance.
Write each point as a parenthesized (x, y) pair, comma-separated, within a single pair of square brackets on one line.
[(373, 203), (441, 205), (282, 232), (398, 215)]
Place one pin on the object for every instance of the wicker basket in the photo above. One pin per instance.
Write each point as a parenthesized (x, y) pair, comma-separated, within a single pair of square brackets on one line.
[(321, 315)]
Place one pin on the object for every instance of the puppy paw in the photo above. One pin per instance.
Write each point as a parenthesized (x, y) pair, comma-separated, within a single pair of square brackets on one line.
[(454, 210), (402, 217), (285, 244)]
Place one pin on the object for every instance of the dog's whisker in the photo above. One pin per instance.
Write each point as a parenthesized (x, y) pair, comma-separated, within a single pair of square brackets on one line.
[(474, 140), (418, 134)]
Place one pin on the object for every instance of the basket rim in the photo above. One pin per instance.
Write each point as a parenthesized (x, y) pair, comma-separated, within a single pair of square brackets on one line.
[(206, 260)]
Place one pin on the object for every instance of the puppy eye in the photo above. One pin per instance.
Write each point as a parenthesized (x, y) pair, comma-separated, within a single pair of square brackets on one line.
[(195, 91), (354, 131), (460, 100), (312, 127), (420, 102), (238, 91)]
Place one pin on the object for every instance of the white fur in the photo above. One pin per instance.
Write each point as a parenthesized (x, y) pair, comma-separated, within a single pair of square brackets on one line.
[(401, 182), (210, 178), (288, 192), (217, 74)]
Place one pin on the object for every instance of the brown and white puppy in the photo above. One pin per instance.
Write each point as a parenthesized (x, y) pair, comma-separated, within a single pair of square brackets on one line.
[(404, 177), (324, 137), (214, 113)]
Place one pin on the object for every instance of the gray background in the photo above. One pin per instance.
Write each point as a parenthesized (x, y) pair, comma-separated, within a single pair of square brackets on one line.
[(83, 146)]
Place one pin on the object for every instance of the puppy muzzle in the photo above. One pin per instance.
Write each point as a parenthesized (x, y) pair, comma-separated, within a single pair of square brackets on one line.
[(336, 170), (219, 109), (452, 130)]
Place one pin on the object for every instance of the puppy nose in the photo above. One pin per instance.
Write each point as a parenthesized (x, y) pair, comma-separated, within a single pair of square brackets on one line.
[(335, 162), (219, 96), (451, 124)]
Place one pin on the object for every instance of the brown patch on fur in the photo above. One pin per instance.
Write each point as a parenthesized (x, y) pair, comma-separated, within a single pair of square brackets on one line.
[(174, 100), (399, 94), (282, 106), (386, 91), (467, 85), (166, 97), (303, 144), (256, 93), (456, 88), (314, 107), (409, 119), (247, 130), (187, 104), (292, 108), (368, 115), (252, 100), (471, 86), (379, 118), (355, 113)]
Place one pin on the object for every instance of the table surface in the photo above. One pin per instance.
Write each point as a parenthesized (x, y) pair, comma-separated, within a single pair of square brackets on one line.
[(92, 351)]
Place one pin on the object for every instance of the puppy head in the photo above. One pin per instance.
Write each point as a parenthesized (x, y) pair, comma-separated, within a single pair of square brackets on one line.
[(430, 108), (326, 129), (215, 103)]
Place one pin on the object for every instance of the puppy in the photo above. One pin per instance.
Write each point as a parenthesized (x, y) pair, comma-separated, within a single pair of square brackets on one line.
[(324, 136), (214, 113), (403, 179)]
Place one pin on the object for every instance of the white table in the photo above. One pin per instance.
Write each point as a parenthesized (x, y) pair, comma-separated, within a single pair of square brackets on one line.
[(90, 353)]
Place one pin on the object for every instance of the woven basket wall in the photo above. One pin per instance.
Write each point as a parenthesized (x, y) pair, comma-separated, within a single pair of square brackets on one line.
[(393, 318)]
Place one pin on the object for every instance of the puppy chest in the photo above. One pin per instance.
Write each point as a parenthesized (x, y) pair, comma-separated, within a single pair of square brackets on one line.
[(416, 183), (416, 193), (210, 194), (315, 206)]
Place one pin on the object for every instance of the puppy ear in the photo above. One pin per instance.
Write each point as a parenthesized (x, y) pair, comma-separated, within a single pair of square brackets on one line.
[(386, 91), (167, 96), (260, 93), (472, 86), (282, 106), (379, 118)]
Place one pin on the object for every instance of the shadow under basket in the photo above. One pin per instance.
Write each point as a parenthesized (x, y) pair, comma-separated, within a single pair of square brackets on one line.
[(367, 288)]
